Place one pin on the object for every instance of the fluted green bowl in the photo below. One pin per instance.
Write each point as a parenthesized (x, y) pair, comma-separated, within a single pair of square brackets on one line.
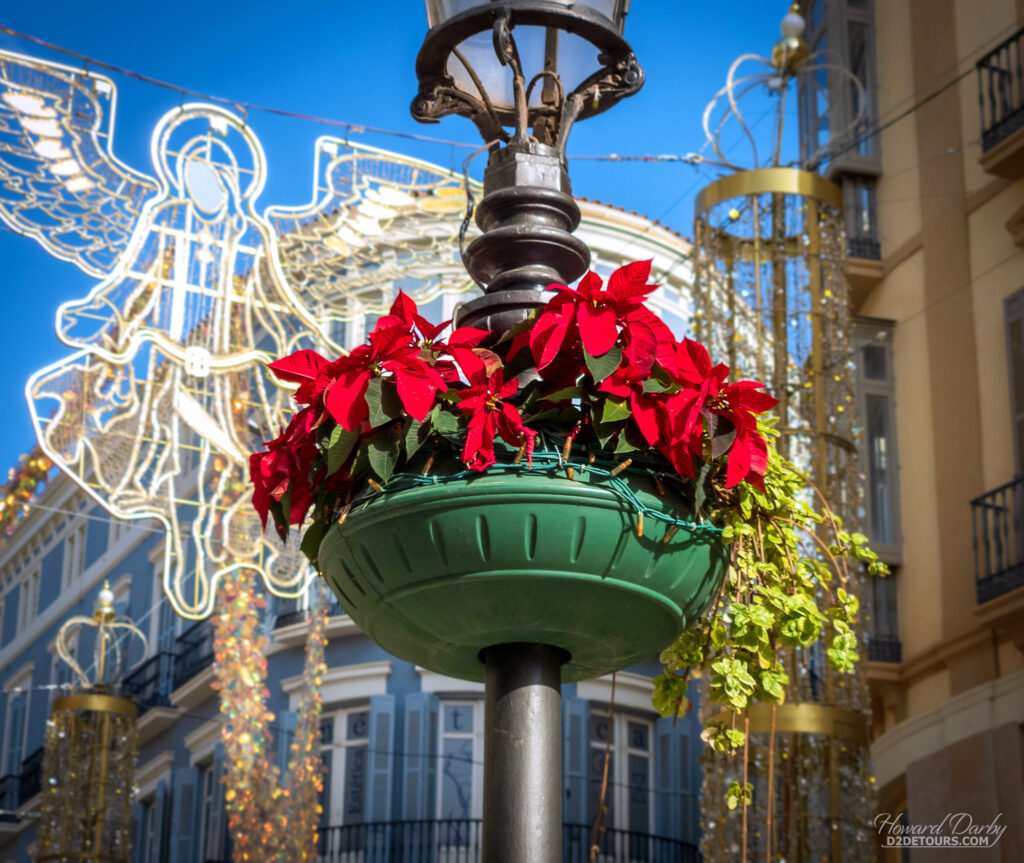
[(434, 574)]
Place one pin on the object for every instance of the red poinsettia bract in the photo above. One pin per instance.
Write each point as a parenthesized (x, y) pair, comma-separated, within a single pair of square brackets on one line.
[(490, 415)]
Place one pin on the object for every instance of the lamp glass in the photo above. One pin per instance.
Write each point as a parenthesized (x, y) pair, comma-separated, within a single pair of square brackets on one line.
[(439, 11), (576, 59)]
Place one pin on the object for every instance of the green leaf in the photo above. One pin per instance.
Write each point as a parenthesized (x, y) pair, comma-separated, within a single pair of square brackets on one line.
[(669, 697), (443, 422), (415, 436), (573, 392), (339, 447), (382, 399), (623, 444), (615, 408), (384, 451), (602, 366), (311, 540), (653, 385)]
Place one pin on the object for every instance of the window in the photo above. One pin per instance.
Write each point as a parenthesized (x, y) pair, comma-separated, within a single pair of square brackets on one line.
[(460, 779), (148, 832), (74, 555), (877, 444), (840, 33), (345, 739), (629, 800), (881, 616), (861, 225), (119, 529), (29, 601), (17, 722), (207, 800), (1014, 314)]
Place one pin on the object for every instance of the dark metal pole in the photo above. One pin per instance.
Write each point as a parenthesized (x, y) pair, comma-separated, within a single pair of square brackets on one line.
[(523, 754)]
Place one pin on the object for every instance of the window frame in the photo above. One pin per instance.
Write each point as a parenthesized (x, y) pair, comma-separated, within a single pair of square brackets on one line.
[(28, 598), (620, 753), (335, 778), (865, 333), (476, 803)]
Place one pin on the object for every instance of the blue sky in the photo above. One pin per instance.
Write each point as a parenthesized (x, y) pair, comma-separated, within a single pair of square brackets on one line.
[(352, 62)]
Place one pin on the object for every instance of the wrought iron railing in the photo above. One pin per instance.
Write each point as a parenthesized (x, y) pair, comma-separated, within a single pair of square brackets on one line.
[(884, 648), (1001, 91), (151, 684), (193, 652), (30, 780), (862, 247), (997, 518), (9, 797), (298, 615), (459, 841)]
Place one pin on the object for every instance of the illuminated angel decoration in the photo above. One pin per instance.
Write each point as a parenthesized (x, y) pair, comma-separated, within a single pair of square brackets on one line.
[(166, 393)]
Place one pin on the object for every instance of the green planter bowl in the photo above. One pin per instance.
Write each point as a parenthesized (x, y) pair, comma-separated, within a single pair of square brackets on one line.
[(436, 573)]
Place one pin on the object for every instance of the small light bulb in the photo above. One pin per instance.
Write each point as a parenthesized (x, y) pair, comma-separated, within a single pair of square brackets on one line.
[(793, 25)]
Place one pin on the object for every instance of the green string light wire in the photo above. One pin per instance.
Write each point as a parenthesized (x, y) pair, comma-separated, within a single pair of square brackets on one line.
[(549, 464)]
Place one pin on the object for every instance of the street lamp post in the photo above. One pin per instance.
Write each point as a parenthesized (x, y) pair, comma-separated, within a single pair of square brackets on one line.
[(524, 71)]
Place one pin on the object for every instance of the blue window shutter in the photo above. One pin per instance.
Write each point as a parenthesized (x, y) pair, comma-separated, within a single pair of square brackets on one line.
[(381, 754), (691, 775), (160, 831), (215, 844), (16, 733), (51, 574), (575, 716), (287, 722), (666, 777), (138, 833), (184, 816), (420, 750)]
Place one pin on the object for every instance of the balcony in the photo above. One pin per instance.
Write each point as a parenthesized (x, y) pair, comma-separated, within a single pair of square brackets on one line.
[(298, 615), (30, 780), (998, 540), (193, 652), (9, 798), (884, 648), (1001, 99), (458, 841), (151, 684), (864, 248)]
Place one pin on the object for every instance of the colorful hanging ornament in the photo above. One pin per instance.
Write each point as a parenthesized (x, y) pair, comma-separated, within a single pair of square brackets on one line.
[(271, 817)]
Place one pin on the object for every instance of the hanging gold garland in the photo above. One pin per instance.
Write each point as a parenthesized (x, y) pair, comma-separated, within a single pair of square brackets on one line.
[(269, 819), (22, 485)]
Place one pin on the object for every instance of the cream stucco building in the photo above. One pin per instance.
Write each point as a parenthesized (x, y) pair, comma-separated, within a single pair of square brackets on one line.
[(934, 189)]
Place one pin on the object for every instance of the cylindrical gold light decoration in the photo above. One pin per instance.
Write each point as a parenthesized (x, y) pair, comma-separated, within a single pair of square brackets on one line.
[(90, 750), (88, 769), (771, 240)]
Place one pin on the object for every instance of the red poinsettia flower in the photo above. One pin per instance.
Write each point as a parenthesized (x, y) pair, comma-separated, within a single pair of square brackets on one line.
[(342, 384), (740, 403), (596, 317), (462, 344), (287, 464), (490, 416)]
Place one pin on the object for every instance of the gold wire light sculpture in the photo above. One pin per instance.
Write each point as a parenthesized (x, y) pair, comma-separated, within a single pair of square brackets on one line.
[(90, 750), (770, 239)]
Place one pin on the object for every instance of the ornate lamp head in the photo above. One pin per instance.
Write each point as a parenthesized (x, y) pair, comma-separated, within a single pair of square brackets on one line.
[(534, 65)]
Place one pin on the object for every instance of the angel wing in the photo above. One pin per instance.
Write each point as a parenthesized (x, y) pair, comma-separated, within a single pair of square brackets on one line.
[(59, 181), (378, 222)]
